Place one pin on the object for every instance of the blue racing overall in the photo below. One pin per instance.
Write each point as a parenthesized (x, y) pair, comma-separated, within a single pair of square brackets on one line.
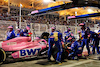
[(18, 34), (67, 36), (55, 38), (10, 35), (85, 41), (76, 48), (95, 37)]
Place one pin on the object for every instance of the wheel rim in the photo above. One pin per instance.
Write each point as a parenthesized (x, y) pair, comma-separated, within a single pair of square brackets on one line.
[(2, 56)]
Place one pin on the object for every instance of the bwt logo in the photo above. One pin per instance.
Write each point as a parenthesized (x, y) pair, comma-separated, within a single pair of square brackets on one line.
[(29, 52)]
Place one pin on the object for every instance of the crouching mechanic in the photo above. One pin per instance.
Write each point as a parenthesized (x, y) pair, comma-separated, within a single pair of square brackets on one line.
[(76, 48), (55, 38)]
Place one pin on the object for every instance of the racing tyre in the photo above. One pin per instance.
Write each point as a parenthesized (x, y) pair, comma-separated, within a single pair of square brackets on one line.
[(43, 52), (54, 52), (2, 56), (63, 56)]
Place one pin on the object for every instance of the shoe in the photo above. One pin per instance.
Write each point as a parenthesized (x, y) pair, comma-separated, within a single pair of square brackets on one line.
[(57, 62), (49, 61), (75, 58), (98, 53), (93, 53), (90, 54)]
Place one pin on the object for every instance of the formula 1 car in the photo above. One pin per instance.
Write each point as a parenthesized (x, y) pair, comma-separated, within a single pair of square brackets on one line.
[(22, 47)]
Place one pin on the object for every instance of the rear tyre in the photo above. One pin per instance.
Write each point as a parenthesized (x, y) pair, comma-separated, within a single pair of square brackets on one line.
[(54, 52), (63, 56), (2, 56)]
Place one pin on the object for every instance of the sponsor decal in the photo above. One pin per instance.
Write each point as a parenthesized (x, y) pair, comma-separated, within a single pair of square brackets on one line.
[(29, 52), (11, 43)]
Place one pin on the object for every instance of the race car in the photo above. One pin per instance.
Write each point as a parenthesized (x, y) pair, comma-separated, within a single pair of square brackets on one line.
[(22, 47)]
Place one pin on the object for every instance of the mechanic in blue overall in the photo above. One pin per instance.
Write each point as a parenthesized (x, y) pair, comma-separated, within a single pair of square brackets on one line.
[(80, 36), (84, 37), (99, 34), (99, 38), (95, 37), (76, 48), (67, 35), (55, 38), (10, 33), (25, 32), (18, 32), (89, 33), (61, 38)]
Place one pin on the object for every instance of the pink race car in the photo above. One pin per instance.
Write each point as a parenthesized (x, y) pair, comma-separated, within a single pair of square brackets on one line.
[(22, 47)]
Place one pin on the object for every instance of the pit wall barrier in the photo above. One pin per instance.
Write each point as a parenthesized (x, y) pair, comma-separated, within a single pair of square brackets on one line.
[(3, 28), (36, 28)]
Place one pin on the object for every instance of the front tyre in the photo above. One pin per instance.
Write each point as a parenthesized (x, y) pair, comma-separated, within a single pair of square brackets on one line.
[(2, 56)]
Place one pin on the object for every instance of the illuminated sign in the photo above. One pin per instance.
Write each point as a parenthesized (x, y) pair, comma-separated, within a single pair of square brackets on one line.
[(33, 12), (70, 17)]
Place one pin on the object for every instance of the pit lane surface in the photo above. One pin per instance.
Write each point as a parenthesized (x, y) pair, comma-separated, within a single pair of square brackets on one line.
[(42, 62)]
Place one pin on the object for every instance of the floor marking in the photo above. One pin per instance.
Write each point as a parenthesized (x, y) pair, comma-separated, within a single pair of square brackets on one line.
[(79, 63)]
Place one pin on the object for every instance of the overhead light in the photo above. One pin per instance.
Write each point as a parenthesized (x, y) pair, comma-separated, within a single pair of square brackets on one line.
[(47, 1), (76, 7), (75, 13), (6, 0), (21, 5), (90, 10)]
